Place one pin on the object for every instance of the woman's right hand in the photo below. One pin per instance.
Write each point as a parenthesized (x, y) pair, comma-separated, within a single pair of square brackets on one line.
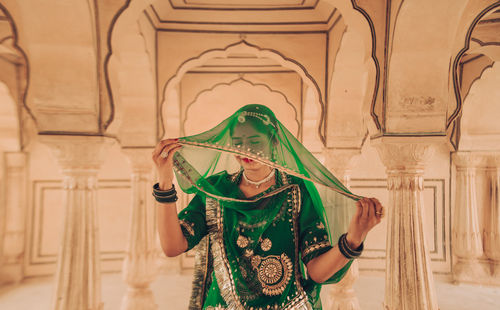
[(164, 163)]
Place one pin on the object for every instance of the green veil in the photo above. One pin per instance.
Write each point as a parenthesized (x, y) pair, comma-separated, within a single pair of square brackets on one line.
[(254, 132)]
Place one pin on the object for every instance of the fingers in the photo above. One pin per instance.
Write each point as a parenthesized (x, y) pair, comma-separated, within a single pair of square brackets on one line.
[(359, 209), (171, 152), (161, 145), (365, 208), (163, 148), (379, 209), (370, 208)]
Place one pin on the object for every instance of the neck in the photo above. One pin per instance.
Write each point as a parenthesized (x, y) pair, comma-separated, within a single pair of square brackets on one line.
[(257, 174)]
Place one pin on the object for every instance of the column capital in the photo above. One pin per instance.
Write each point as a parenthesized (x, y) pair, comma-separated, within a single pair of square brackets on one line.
[(341, 160), (494, 160), (140, 158), (406, 153), (78, 152), (15, 159), (469, 159)]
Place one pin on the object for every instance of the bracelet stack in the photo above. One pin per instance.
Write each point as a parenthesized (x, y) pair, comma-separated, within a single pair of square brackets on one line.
[(167, 196), (346, 250)]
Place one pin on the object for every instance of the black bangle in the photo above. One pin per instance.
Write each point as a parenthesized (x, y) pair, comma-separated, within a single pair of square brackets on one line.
[(164, 196), (353, 253), (167, 199), (346, 251), (158, 192)]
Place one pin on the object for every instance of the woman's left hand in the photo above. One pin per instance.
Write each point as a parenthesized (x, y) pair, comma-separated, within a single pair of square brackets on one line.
[(368, 214)]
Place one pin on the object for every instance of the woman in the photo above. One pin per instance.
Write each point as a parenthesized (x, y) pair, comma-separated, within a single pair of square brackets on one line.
[(265, 242)]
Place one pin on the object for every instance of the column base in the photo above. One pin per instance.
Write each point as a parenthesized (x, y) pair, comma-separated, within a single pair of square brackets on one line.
[(349, 302), (139, 298), (342, 295), (470, 271), (495, 270), (11, 274)]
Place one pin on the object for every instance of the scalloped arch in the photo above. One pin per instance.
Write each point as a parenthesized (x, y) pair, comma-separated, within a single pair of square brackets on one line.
[(243, 46), (265, 87)]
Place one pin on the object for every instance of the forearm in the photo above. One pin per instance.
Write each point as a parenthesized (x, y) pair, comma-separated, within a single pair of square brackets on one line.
[(172, 239), (324, 266)]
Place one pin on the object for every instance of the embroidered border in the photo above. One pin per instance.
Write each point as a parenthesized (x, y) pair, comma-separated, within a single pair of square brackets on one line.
[(300, 302), (180, 169), (265, 161), (315, 247), (197, 298), (222, 269), (188, 227)]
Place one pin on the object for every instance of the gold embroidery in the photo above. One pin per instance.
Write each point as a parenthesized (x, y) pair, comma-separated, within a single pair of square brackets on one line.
[(266, 245), (187, 226), (320, 226), (273, 272), (222, 269), (255, 261), (266, 162), (243, 272), (315, 247), (248, 252), (242, 241)]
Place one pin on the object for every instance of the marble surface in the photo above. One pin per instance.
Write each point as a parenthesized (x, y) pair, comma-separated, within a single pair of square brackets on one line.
[(172, 292)]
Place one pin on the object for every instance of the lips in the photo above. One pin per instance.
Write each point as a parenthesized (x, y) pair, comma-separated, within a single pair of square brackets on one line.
[(247, 160)]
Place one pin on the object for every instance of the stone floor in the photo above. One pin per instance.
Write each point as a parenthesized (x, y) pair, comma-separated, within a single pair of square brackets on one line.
[(172, 292)]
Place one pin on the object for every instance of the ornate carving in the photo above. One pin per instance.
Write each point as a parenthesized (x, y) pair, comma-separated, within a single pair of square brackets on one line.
[(492, 223), (407, 259), (78, 154), (466, 235), (341, 162), (78, 267), (408, 157), (342, 294), (139, 265), (417, 103), (11, 271)]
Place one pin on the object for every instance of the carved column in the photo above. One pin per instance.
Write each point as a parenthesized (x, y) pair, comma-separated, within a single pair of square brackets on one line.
[(492, 223), (466, 234), (342, 294), (139, 267), (78, 277), (409, 283), (11, 270)]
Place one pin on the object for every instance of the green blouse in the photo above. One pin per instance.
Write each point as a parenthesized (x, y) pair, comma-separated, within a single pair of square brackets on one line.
[(255, 256)]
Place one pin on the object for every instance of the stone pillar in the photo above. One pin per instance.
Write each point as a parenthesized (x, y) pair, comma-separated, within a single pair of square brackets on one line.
[(342, 295), (78, 277), (492, 221), (409, 282), (466, 234), (11, 269), (139, 267)]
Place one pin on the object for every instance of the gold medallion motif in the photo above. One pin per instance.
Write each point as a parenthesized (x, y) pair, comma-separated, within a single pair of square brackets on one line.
[(273, 272), (270, 270), (255, 261), (242, 241), (266, 245)]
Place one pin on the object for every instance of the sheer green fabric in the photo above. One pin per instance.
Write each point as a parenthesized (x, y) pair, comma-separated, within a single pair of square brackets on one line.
[(207, 166)]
